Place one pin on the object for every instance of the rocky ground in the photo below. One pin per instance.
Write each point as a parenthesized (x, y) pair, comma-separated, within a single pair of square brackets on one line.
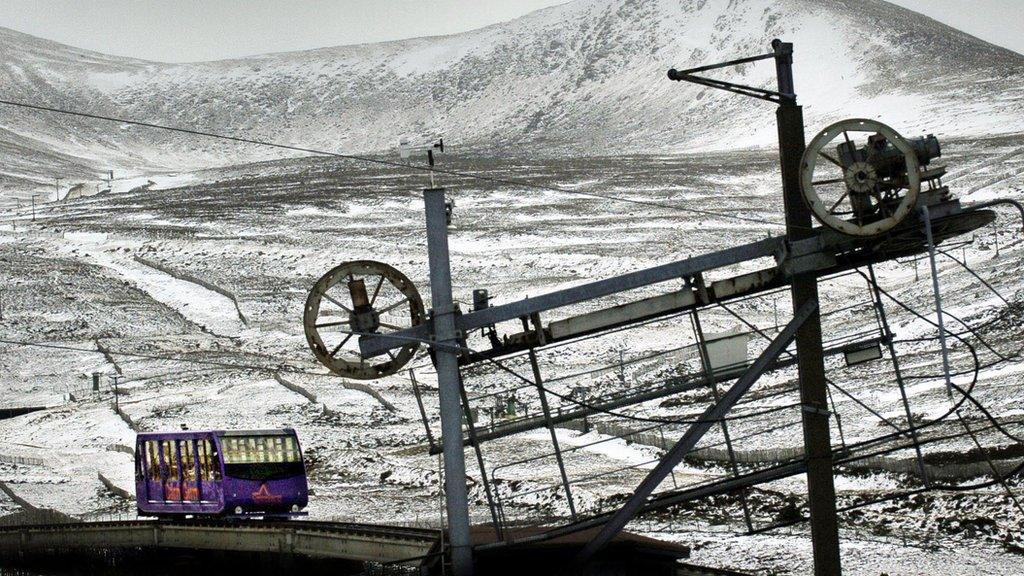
[(109, 284)]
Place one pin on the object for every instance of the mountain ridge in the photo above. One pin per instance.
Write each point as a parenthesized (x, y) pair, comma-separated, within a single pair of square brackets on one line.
[(583, 77)]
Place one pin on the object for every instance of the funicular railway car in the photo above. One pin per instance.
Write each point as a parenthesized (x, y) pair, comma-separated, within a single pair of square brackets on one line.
[(224, 473)]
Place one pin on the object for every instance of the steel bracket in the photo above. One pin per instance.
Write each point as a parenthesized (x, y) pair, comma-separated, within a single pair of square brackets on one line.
[(812, 409), (797, 265)]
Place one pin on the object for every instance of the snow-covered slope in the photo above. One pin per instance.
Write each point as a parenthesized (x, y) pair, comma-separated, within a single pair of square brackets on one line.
[(587, 76)]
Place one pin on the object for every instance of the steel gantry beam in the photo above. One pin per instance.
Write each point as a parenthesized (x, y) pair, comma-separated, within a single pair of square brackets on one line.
[(372, 345), (819, 251)]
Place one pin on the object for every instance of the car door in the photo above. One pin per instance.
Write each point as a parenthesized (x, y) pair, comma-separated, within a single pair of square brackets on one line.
[(189, 473), (170, 472), (209, 471), (154, 482)]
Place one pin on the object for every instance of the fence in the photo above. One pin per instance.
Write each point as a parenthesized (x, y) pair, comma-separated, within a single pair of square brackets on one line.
[(369, 390), (107, 355), (115, 489), (295, 388), (121, 448), (25, 504), (327, 411), (33, 516), (646, 438), (22, 460), (125, 417), (15, 411), (195, 280), (345, 384)]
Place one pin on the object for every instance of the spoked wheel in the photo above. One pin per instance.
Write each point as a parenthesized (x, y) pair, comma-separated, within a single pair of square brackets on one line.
[(356, 298), (860, 177)]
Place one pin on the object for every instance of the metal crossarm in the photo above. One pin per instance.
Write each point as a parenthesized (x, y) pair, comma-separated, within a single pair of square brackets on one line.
[(689, 75), (696, 431), (752, 91), (725, 64), (818, 251)]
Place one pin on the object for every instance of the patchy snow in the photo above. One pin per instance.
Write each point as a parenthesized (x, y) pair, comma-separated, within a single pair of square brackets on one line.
[(203, 306), (587, 76)]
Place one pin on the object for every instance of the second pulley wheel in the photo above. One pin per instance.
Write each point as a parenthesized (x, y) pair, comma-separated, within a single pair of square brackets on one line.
[(359, 298)]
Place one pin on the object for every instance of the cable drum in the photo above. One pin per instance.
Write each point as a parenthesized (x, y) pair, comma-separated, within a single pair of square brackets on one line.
[(860, 191), (356, 298)]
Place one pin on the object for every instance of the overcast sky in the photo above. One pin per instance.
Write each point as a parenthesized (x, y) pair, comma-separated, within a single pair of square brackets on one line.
[(191, 30)]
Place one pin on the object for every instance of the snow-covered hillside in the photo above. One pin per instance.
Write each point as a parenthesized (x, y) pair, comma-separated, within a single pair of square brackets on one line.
[(130, 273), (587, 75)]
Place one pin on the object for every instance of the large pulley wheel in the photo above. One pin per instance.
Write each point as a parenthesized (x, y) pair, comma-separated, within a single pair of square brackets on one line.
[(359, 298), (860, 177)]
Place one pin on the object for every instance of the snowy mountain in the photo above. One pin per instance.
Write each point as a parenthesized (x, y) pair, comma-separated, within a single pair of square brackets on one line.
[(584, 77)]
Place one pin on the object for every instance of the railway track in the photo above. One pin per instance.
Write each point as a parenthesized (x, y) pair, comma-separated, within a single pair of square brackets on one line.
[(316, 539)]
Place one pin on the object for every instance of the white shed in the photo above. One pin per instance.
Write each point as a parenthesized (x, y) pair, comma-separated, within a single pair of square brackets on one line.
[(728, 349)]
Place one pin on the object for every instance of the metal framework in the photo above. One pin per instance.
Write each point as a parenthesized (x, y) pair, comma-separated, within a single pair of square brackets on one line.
[(696, 431), (803, 256)]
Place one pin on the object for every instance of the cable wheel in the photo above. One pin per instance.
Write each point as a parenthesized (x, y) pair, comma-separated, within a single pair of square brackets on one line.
[(355, 298), (860, 189)]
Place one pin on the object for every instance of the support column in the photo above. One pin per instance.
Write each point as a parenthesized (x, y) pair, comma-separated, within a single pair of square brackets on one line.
[(539, 382), (467, 410), (446, 360), (883, 321), (821, 491), (709, 376), (926, 216)]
